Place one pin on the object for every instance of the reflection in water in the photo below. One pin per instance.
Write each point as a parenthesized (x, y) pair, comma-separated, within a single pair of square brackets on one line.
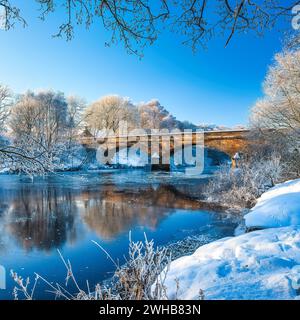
[(70, 211), (41, 218), (116, 212), (46, 217)]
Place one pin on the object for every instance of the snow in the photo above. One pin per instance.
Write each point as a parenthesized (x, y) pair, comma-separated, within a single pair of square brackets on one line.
[(132, 158), (278, 207), (4, 170), (257, 265), (263, 264)]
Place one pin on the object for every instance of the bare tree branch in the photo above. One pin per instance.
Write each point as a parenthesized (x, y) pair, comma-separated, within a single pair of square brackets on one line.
[(137, 23)]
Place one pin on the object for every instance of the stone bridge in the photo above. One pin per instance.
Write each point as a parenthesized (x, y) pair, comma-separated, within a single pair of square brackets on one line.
[(161, 143)]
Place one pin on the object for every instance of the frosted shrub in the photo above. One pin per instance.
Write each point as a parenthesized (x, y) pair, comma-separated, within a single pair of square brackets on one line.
[(241, 187), (142, 269), (132, 281)]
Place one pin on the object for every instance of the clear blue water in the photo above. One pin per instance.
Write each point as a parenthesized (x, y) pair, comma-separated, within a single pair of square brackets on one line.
[(68, 211)]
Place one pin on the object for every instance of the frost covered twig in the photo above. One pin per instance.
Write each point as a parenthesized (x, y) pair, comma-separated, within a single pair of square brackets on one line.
[(136, 280)]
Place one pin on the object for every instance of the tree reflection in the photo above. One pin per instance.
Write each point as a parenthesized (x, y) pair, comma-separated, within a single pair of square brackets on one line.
[(42, 218), (117, 212), (46, 216), (3, 209)]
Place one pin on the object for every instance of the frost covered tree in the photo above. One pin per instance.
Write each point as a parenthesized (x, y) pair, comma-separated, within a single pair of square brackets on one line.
[(75, 117), (25, 116), (279, 109), (276, 117), (75, 111), (74, 126), (41, 125), (41, 116), (154, 116), (43, 129), (106, 115), (5, 104), (12, 156), (187, 125), (137, 23)]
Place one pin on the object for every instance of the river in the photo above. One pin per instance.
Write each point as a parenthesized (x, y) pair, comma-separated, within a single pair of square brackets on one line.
[(68, 211)]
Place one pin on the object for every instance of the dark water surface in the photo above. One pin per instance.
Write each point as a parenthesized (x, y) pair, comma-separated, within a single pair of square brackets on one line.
[(68, 211)]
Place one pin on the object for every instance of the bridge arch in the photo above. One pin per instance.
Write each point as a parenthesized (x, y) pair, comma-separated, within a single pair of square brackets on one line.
[(212, 157)]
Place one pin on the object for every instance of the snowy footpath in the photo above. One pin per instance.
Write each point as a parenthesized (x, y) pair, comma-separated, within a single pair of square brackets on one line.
[(263, 264)]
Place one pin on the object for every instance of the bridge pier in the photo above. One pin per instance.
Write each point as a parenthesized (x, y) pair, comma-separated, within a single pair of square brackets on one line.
[(161, 167)]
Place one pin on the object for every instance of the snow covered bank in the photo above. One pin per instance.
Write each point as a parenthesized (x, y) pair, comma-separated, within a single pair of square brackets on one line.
[(256, 265), (278, 207), (264, 264)]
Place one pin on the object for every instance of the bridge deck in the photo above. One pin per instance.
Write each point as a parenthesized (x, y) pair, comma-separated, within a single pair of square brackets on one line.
[(228, 141)]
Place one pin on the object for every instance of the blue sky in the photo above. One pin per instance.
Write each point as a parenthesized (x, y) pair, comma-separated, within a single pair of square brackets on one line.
[(216, 85)]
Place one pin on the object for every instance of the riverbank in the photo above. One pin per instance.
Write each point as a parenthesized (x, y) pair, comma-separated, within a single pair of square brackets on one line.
[(261, 264)]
